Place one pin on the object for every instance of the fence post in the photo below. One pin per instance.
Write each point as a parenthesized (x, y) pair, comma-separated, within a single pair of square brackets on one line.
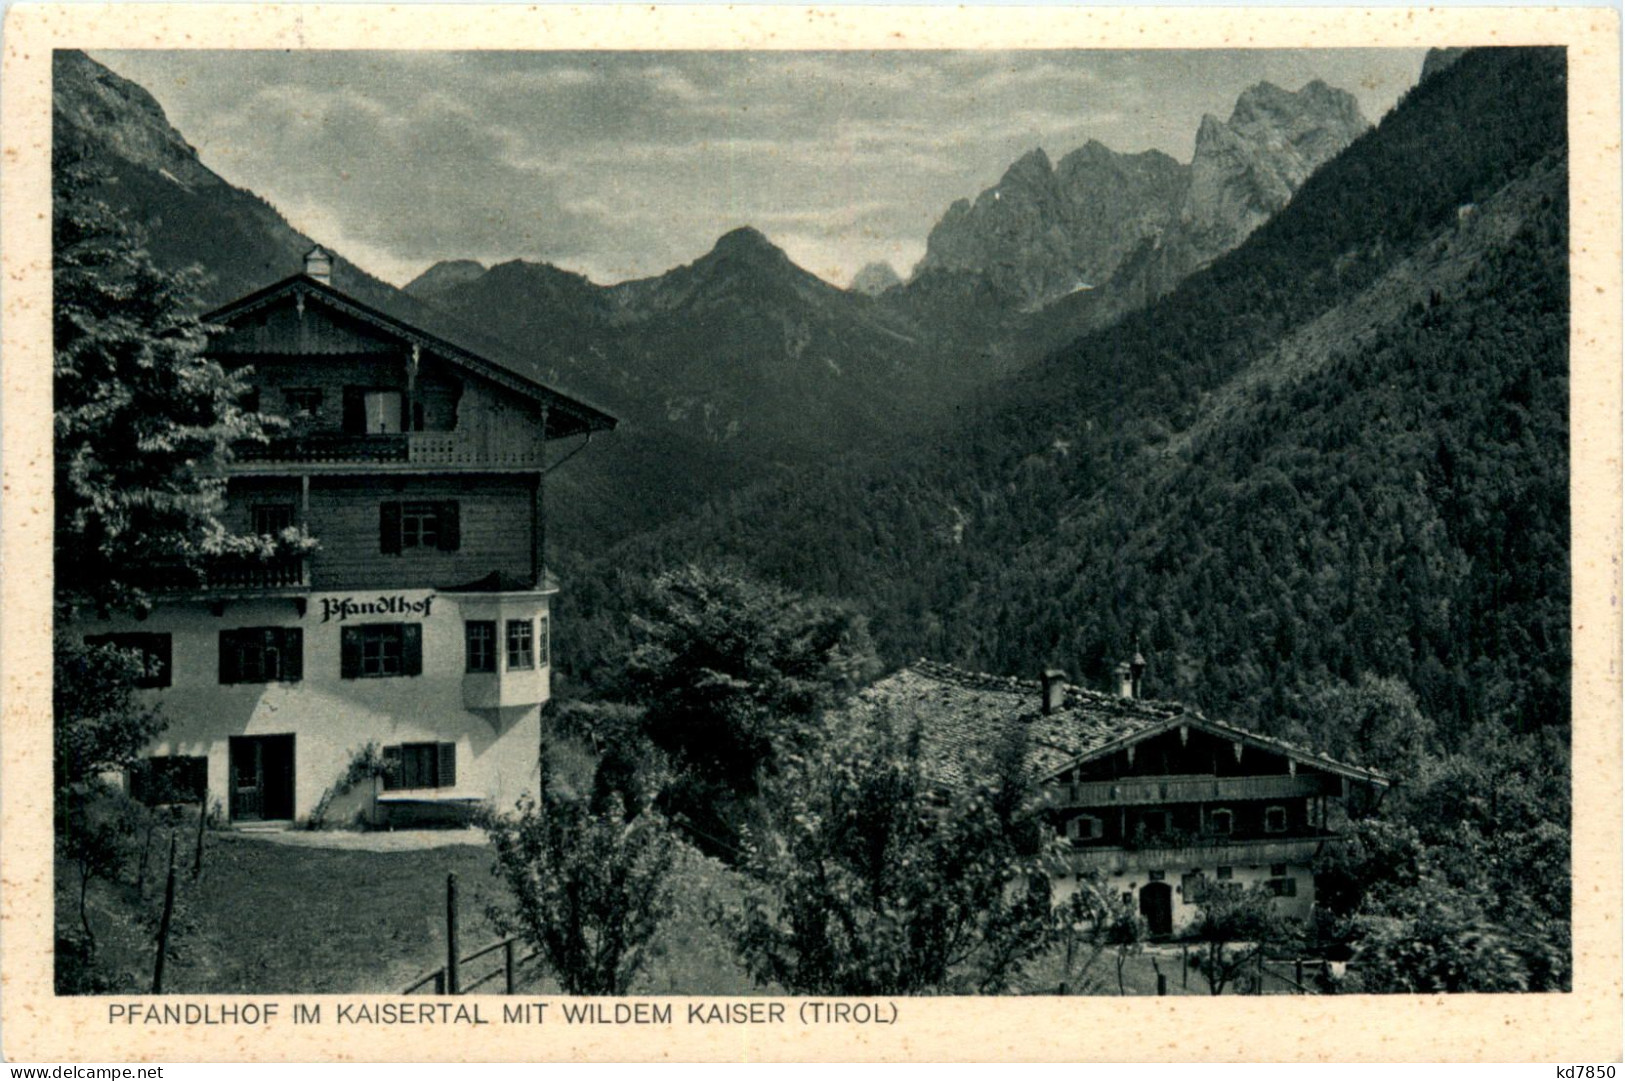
[(1297, 973), (1185, 964), (163, 924), (451, 933), (1162, 984), (507, 963), (440, 981), (202, 818)]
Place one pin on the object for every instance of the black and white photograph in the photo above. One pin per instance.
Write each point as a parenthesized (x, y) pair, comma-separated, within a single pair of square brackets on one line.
[(852, 525)]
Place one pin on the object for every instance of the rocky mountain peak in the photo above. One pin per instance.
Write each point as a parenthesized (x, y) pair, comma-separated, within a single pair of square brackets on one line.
[(91, 103), (746, 242)]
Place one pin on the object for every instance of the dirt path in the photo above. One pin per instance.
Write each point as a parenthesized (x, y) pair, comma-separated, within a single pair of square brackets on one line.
[(382, 841)]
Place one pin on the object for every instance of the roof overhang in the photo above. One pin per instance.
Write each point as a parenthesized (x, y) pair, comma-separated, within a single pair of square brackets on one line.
[(1220, 730), (565, 415)]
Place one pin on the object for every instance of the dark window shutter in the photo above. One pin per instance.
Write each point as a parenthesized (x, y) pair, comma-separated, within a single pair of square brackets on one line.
[(411, 649), (228, 657), (451, 529), (446, 773), (293, 654), (140, 771), (417, 416), (355, 410), (350, 653), (392, 768), (389, 528), (198, 777)]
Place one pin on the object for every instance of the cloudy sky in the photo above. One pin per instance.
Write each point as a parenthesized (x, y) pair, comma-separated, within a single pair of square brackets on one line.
[(622, 165)]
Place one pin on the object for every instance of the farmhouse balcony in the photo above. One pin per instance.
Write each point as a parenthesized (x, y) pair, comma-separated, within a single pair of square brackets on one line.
[(1230, 853), (389, 449), (239, 574), (1200, 788)]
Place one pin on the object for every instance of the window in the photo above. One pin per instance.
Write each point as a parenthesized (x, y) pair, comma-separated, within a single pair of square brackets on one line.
[(1084, 828), (170, 779), (521, 644), (372, 411), (1155, 823), (1275, 819), (543, 652), (379, 650), (269, 519), (1224, 874), (480, 636), (1193, 887), (262, 655), (154, 650), (302, 401), (1282, 887), (420, 765), (418, 525), (1221, 821)]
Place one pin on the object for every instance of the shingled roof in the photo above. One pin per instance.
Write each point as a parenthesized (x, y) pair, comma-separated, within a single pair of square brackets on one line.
[(411, 320), (963, 715)]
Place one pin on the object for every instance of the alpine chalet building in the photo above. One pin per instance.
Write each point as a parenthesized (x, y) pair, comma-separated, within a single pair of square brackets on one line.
[(419, 623), (1158, 804)]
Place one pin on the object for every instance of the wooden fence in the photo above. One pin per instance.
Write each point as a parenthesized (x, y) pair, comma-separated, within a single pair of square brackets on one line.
[(448, 979)]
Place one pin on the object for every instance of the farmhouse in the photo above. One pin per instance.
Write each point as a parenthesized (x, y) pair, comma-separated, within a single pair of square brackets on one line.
[(401, 601), (1159, 802)]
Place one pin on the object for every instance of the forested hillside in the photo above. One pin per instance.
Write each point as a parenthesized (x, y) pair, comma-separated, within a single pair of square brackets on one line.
[(1338, 452)]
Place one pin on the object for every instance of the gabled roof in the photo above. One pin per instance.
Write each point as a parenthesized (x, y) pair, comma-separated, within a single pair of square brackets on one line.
[(418, 324), (963, 715)]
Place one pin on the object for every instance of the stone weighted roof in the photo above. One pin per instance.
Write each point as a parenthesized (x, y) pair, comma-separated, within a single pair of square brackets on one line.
[(964, 715)]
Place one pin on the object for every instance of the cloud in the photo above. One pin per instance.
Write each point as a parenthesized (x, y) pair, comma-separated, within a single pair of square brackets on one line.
[(625, 164)]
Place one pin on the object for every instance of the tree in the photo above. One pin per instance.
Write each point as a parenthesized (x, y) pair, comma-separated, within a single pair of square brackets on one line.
[(100, 726), (1234, 925), (140, 413), (732, 675), (868, 878), (590, 887)]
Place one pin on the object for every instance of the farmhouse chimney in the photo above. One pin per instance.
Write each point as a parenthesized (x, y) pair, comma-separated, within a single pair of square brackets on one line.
[(1054, 689), (319, 265)]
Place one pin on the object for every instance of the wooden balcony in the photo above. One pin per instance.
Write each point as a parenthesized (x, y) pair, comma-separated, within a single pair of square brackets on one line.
[(1199, 788), (389, 449), (1188, 856), (237, 576)]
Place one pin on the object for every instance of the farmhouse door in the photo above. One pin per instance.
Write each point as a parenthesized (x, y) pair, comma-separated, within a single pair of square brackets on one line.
[(1157, 906), (261, 778)]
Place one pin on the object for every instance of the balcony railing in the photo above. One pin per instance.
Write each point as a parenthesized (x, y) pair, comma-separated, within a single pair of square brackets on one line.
[(241, 575), (1191, 789), (1149, 857), (416, 448)]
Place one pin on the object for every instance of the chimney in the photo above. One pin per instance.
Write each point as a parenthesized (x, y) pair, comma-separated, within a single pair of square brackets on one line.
[(1125, 680), (1054, 689), (319, 265)]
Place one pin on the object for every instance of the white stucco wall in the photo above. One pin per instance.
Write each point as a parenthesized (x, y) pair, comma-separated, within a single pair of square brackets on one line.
[(332, 718), (1185, 910)]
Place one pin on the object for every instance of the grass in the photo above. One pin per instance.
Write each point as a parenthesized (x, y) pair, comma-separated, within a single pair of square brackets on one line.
[(268, 918)]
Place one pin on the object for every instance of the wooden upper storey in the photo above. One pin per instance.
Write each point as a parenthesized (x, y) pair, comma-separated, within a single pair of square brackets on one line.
[(363, 388)]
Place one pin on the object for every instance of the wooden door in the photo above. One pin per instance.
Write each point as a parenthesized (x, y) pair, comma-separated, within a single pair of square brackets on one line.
[(1157, 906), (261, 778)]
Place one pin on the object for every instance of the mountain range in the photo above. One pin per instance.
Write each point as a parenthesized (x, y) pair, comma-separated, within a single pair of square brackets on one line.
[(1279, 440)]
